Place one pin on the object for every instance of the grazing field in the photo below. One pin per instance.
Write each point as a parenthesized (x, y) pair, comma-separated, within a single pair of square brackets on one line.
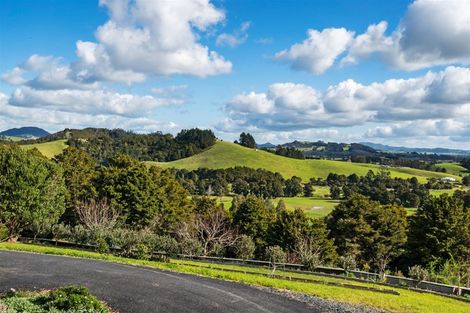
[(12, 138), (314, 207), (226, 155), (453, 168), (407, 300), (48, 149)]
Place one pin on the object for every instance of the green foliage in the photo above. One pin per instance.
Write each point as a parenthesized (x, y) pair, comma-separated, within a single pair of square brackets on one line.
[(293, 187), (32, 191), (374, 233), (103, 144), (247, 140), (67, 300), (80, 174), (245, 248), (275, 255), (253, 218), (440, 229)]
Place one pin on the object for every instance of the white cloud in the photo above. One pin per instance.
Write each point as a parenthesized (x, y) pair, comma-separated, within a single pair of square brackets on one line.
[(53, 120), (431, 33), (319, 51), (14, 76), (87, 101), (141, 38), (238, 37), (152, 38), (405, 107)]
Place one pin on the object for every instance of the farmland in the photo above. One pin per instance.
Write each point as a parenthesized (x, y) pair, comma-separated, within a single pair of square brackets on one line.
[(226, 155)]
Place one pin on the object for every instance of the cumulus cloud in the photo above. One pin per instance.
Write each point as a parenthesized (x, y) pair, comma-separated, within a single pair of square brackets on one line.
[(15, 116), (14, 76), (140, 39), (238, 37), (431, 33), (152, 38), (435, 101), (87, 101), (319, 51)]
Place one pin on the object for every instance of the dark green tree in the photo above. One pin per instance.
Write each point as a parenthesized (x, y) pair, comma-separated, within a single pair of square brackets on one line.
[(440, 229), (375, 234), (247, 140), (32, 191), (80, 174), (253, 218), (293, 187)]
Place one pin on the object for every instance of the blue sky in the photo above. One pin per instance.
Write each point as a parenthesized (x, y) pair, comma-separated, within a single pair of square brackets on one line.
[(384, 71)]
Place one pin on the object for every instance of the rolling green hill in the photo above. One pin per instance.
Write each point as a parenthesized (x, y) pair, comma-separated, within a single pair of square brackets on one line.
[(453, 168), (226, 154), (48, 149)]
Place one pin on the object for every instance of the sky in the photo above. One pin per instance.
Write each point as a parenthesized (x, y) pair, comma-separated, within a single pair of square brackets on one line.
[(392, 72)]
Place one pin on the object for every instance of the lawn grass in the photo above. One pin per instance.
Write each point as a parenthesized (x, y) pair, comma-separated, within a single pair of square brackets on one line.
[(48, 149), (453, 168), (408, 301), (226, 155)]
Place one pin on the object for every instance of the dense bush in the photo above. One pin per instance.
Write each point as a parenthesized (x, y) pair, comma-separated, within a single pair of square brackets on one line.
[(32, 191), (63, 300)]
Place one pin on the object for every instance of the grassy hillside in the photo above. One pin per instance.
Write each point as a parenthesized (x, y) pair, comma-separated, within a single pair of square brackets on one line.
[(48, 149), (453, 168), (225, 155)]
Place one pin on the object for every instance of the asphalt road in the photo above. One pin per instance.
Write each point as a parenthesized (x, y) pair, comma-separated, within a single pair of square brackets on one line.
[(137, 289)]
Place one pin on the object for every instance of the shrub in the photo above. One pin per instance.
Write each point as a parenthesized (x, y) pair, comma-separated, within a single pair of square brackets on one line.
[(67, 299), (191, 247), (72, 299), (418, 273), (245, 247), (3, 233), (275, 255)]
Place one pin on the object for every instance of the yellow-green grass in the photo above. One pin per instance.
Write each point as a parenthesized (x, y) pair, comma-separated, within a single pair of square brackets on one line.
[(453, 168), (226, 155), (314, 207), (14, 138), (48, 149), (438, 192), (408, 301)]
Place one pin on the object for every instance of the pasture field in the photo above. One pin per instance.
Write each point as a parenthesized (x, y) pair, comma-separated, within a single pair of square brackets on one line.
[(314, 207), (14, 138), (226, 155), (48, 149), (407, 301), (453, 168)]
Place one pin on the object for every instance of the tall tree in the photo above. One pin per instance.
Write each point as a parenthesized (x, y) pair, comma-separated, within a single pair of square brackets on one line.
[(252, 217), (32, 191), (80, 174), (440, 229), (247, 140), (371, 232)]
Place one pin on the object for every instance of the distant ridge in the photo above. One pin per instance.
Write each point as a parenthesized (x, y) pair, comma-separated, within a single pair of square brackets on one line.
[(267, 145), (387, 148), (25, 132)]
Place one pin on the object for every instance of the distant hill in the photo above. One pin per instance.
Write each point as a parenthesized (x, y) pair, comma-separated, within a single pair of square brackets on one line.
[(330, 150), (266, 145), (226, 154), (25, 132), (394, 149)]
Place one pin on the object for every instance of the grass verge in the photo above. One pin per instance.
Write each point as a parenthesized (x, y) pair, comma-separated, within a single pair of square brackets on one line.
[(407, 301)]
